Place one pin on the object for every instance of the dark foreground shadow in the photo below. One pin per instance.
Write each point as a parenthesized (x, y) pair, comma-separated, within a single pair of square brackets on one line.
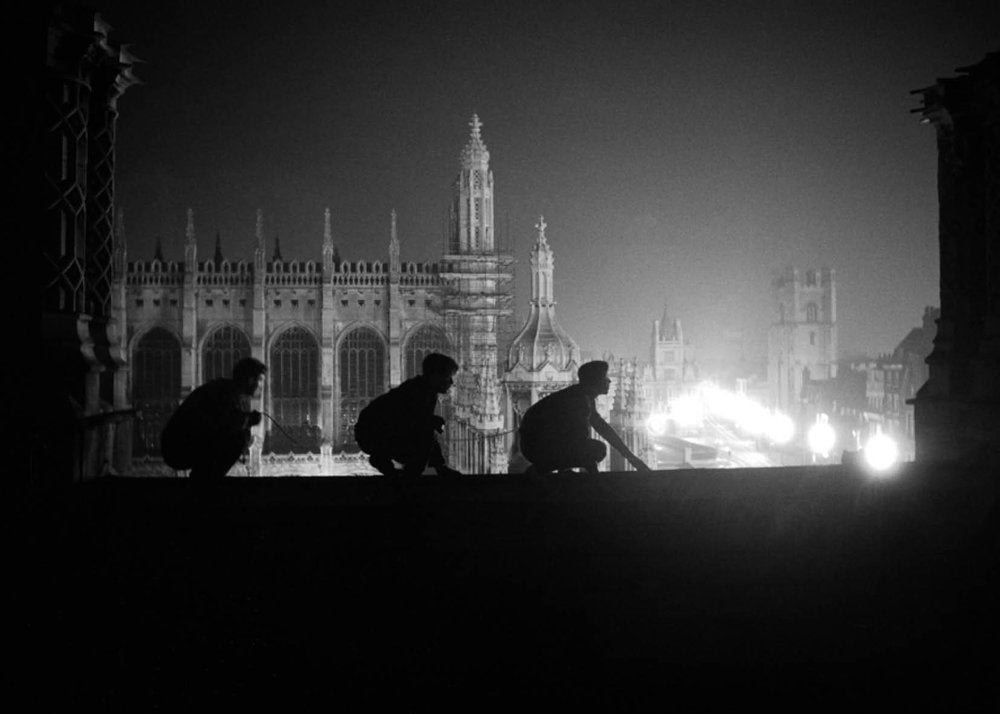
[(802, 588)]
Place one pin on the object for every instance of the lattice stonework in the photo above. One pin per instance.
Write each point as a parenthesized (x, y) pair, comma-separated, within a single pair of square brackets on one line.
[(426, 340), (362, 377), (223, 348), (100, 205), (294, 370), (156, 387), (65, 186)]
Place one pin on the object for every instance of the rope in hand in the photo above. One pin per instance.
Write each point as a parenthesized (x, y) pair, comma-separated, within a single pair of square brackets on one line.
[(282, 430)]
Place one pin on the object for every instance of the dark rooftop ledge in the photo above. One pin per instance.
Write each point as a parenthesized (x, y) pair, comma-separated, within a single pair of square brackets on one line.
[(816, 582)]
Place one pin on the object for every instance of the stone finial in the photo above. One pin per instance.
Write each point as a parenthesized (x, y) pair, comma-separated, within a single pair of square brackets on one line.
[(476, 125), (189, 231), (260, 229), (541, 226), (217, 257), (158, 251), (327, 231), (276, 256)]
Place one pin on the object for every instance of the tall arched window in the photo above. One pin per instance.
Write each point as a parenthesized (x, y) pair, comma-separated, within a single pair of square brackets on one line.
[(425, 340), (294, 372), (224, 348), (156, 387), (811, 312), (362, 377)]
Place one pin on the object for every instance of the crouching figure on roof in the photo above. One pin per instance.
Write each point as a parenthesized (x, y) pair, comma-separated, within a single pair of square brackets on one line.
[(555, 432)]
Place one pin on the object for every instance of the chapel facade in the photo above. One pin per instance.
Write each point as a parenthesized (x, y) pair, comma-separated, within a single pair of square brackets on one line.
[(334, 334)]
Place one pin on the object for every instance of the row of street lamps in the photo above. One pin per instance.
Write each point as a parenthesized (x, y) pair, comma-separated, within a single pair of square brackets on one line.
[(881, 453)]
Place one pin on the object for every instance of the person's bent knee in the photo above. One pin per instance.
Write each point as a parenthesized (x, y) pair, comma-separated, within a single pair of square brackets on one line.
[(594, 450)]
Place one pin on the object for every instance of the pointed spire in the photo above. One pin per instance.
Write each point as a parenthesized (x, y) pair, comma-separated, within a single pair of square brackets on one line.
[(119, 232), (259, 254), (217, 258), (276, 256), (541, 226), (542, 264), (393, 245), (190, 247), (328, 265), (664, 324), (475, 155), (158, 251), (327, 232)]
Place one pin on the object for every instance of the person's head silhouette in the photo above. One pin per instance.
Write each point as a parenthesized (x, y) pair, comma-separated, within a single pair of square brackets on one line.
[(593, 377), (248, 374), (439, 370)]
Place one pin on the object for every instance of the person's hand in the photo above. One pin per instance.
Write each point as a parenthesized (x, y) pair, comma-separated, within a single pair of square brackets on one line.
[(254, 417), (438, 423)]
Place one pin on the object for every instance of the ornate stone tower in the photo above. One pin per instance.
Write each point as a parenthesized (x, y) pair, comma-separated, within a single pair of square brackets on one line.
[(668, 360), (802, 342), (543, 357), (957, 412), (477, 297)]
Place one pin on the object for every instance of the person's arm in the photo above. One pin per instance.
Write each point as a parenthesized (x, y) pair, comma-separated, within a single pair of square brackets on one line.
[(611, 436)]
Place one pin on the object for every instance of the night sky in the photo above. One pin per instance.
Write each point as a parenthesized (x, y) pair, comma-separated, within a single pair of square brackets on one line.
[(681, 152)]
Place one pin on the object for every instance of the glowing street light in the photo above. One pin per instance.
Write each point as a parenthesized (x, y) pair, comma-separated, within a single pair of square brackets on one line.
[(656, 423), (821, 436), (881, 452)]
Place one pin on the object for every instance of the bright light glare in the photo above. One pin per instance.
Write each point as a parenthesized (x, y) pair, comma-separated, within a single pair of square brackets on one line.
[(751, 417), (881, 452), (686, 411), (821, 438), (657, 423), (780, 428)]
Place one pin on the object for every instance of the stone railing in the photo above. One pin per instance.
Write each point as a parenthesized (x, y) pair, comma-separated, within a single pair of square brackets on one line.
[(155, 273), (271, 465)]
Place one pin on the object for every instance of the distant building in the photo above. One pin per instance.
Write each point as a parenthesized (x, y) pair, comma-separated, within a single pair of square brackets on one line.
[(802, 341), (872, 395), (671, 366), (893, 382)]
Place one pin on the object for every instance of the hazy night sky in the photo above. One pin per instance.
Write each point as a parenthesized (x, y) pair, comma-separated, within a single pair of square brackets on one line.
[(681, 152)]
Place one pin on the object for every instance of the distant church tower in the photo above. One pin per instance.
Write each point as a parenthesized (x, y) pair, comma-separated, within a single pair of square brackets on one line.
[(668, 360), (802, 342), (477, 298)]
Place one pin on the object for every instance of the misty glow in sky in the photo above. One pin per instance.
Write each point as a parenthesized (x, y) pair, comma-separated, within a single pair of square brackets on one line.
[(681, 153)]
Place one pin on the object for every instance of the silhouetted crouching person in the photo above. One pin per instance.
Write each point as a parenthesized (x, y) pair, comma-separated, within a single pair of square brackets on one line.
[(401, 424), (555, 431), (211, 428)]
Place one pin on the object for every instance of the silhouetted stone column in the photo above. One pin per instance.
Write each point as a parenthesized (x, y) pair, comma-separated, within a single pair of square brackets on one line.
[(957, 412), (85, 74)]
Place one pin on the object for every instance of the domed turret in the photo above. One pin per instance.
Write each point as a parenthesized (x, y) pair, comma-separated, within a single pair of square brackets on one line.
[(542, 341)]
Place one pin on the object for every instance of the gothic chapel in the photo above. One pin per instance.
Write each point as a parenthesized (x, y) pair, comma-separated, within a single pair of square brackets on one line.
[(334, 335)]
